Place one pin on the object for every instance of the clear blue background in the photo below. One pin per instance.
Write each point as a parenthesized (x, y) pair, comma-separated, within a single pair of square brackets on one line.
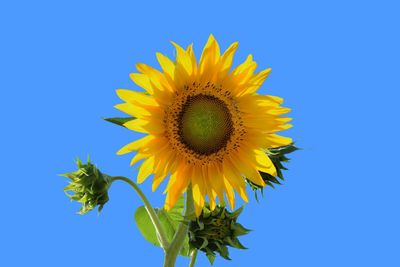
[(336, 63)]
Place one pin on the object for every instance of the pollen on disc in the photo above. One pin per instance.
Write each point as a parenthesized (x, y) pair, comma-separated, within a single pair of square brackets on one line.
[(205, 124)]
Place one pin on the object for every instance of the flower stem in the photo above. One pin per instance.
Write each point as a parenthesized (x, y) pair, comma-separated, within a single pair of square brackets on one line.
[(162, 238), (193, 259), (172, 252)]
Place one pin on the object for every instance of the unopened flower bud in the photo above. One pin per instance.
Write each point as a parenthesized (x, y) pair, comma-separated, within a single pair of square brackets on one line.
[(214, 230), (88, 186)]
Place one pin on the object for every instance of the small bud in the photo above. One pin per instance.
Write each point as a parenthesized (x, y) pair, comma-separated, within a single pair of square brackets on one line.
[(214, 230), (88, 186), (278, 157)]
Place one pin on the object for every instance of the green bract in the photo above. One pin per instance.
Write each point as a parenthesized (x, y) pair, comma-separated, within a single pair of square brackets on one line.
[(88, 186), (214, 230)]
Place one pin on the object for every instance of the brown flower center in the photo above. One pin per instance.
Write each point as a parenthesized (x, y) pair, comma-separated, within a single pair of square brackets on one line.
[(205, 124)]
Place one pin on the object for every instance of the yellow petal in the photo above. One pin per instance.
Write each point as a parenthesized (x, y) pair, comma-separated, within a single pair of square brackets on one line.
[(245, 69), (171, 163), (135, 111), (134, 145), (246, 167), (264, 162), (176, 189), (160, 170), (282, 127), (163, 97), (139, 156), (192, 56), (275, 110), (255, 177), (136, 125), (230, 194), (275, 140), (142, 81), (266, 123), (148, 70), (145, 170), (271, 98), (158, 179), (167, 65), (136, 97), (208, 185), (183, 59), (257, 81), (142, 126), (199, 192), (217, 181), (235, 179), (209, 57), (156, 77), (258, 103), (240, 76), (227, 58)]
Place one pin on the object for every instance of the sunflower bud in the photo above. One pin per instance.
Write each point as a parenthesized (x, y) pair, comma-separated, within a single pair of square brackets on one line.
[(278, 157), (214, 230), (88, 186)]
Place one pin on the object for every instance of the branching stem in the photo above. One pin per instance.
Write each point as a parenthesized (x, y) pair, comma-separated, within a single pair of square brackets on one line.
[(193, 258), (173, 250), (162, 238)]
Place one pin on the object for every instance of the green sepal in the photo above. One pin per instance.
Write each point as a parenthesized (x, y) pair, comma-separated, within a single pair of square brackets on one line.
[(170, 221), (205, 243), (239, 229), (119, 121), (211, 257), (234, 242), (223, 251), (235, 214)]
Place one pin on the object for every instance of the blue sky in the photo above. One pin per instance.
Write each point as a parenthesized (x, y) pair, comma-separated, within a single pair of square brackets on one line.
[(336, 63)]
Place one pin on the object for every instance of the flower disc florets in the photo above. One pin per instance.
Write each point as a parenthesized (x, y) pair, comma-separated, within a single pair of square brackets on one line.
[(89, 186)]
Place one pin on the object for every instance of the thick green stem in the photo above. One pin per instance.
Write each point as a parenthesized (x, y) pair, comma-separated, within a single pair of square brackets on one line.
[(162, 238), (193, 258), (173, 250)]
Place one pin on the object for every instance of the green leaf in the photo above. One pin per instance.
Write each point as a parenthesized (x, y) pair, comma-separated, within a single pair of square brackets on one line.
[(119, 121), (145, 225), (170, 221)]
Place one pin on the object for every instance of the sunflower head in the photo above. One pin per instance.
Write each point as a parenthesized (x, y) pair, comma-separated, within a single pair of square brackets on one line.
[(204, 124), (88, 186), (214, 230)]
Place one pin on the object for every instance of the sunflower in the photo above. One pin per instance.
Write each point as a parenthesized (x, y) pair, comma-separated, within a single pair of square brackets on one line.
[(204, 124)]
